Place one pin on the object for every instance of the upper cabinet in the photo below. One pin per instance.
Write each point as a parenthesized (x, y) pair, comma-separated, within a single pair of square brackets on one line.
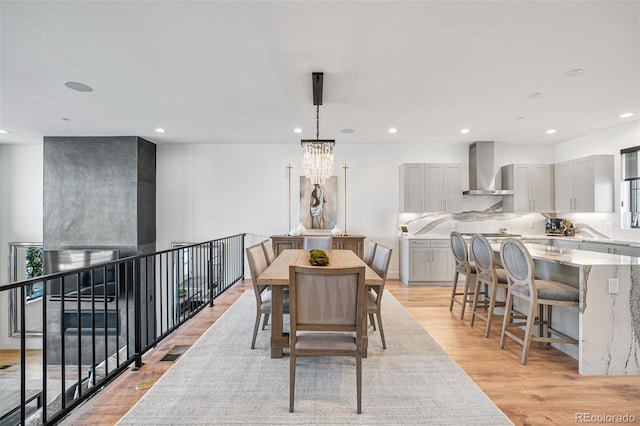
[(532, 186), (585, 185), (430, 187)]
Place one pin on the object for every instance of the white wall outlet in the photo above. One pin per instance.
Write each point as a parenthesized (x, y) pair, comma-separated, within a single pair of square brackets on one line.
[(608, 226), (613, 286), (530, 225), (454, 225)]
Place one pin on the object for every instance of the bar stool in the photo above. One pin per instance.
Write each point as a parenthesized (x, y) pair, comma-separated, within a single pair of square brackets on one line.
[(462, 266), (490, 277), (541, 295)]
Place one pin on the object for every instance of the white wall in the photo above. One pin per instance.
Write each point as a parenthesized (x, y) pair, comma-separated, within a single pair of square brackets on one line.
[(209, 191), (20, 214)]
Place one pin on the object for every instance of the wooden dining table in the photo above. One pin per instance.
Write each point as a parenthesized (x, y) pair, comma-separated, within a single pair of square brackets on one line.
[(277, 276)]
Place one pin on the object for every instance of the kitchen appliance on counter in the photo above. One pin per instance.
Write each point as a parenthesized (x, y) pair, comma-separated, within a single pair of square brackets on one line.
[(558, 226)]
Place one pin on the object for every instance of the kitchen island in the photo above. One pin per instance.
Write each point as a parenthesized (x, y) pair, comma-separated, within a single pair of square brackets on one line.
[(608, 315)]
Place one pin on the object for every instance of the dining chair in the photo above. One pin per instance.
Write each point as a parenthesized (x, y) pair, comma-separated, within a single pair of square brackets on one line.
[(257, 264), (327, 318), (371, 250), (380, 265), (489, 276), (317, 242), (269, 254), (462, 266), (538, 296)]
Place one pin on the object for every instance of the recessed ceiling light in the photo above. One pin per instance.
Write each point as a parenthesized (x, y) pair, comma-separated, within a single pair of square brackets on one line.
[(64, 119), (574, 73), (393, 130), (347, 131), (464, 131), (519, 118), (3, 131), (551, 131), (297, 130), (160, 130), (79, 87), (535, 95), (627, 115)]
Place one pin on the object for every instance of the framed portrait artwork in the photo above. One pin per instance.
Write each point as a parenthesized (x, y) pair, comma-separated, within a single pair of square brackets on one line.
[(318, 203)]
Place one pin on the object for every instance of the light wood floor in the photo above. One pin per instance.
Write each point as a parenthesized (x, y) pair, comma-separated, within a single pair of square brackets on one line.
[(546, 391)]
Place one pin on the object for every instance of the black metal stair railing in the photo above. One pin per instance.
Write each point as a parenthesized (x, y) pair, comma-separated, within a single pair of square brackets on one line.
[(100, 320)]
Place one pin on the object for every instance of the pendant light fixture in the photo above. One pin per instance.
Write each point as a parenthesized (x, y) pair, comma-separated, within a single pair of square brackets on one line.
[(317, 154)]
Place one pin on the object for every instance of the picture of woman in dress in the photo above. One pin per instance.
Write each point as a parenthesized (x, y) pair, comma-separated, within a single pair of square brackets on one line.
[(317, 205)]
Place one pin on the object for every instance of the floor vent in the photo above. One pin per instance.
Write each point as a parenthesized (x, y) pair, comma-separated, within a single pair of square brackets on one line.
[(175, 352)]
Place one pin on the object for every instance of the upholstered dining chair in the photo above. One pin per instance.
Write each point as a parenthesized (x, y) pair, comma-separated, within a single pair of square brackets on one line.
[(317, 242), (538, 296), (368, 255), (380, 265), (328, 314), (490, 277), (462, 266), (269, 254), (257, 264)]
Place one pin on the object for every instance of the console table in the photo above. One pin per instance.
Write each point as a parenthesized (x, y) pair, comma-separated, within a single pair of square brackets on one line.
[(354, 243)]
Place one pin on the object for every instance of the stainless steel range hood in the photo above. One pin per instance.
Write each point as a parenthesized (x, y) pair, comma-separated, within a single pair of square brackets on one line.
[(481, 170)]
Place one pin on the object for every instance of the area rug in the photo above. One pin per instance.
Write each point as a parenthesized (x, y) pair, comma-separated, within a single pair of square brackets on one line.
[(221, 381)]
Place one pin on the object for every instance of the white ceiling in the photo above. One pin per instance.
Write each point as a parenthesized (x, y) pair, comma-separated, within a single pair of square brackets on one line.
[(240, 71)]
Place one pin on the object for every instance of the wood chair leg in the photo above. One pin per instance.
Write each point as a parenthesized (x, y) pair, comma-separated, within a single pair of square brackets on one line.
[(507, 318), (265, 321), (372, 321), (465, 294), (453, 290), (359, 381), (384, 344), (474, 306), (255, 330), (526, 343), (292, 381), (492, 306)]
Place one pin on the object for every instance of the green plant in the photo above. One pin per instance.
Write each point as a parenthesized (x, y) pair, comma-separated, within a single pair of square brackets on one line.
[(34, 262)]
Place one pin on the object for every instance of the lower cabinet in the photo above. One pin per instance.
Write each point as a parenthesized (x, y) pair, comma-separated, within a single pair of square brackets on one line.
[(425, 261)]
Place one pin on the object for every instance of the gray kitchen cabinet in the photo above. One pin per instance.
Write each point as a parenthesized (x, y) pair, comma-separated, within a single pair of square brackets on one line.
[(429, 187), (532, 186), (423, 261), (585, 185)]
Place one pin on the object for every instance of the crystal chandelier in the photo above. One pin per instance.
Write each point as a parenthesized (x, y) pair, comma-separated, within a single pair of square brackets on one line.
[(317, 154)]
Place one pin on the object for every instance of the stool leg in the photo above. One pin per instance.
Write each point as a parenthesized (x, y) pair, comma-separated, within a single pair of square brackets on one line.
[(453, 291), (465, 294), (492, 304), (531, 319), (476, 295), (507, 318)]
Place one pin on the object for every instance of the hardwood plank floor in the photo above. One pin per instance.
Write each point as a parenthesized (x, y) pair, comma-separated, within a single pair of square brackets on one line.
[(546, 391)]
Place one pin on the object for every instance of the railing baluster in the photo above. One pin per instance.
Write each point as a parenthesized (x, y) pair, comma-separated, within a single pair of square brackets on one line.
[(62, 345), (93, 323), (79, 330), (23, 356)]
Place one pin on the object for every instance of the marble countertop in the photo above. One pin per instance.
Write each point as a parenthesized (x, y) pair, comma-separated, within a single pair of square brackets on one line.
[(573, 257), (534, 237)]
